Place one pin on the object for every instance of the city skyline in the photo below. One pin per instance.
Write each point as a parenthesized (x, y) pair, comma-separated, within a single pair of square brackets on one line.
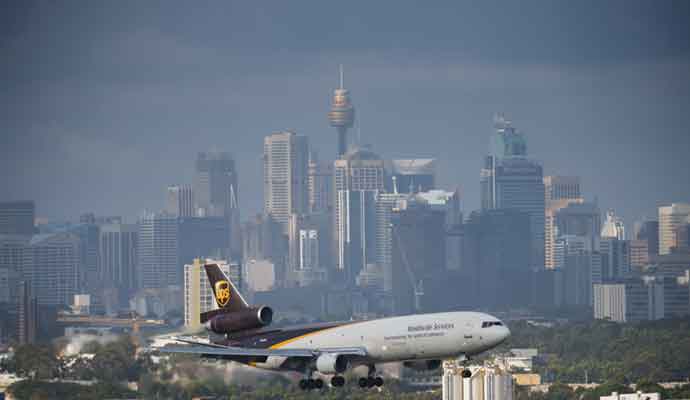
[(606, 115)]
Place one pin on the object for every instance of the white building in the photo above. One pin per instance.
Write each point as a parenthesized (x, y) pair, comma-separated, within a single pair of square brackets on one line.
[(609, 302), (487, 383), (286, 180), (198, 296), (670, 218), (631, 396)]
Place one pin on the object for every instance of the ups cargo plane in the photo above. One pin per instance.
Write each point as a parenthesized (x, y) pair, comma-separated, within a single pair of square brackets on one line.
[(419, 341)]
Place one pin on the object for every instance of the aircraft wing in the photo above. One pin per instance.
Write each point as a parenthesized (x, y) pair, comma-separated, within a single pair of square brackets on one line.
[(219, 351)]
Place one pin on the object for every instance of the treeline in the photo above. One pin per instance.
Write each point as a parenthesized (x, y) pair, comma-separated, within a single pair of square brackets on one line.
[(602, 351)]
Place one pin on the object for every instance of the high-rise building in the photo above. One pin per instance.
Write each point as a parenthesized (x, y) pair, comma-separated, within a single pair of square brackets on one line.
[(117, 257), (614, 249), (200, 237), (509, 180), (215, 185), (579, 219), (17, 217), (496, 257), (412, 175), (647, 231), (320, 182), (581, 270), (198, 295), (670, 218), (356, 236), (639, 255), (386, 203), (551, 232), (562, 187), (358, 177), (51, 264), (158, 256), (559, 192), (263, 239), (342, 114), (27, 314), (286, 190), (11, 258), (180, 201), (683, 238), (309, 244), (418, 256)]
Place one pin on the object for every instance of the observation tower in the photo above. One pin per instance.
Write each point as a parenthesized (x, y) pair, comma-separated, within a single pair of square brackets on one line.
[(342, 114)]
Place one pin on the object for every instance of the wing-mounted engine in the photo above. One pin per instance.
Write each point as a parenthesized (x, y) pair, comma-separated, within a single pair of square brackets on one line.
[(423, 365), (332, 363), (235, 321)]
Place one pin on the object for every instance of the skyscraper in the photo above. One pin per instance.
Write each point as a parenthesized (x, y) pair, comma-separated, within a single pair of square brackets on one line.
[(158, 256), (342, 114), (215, 185), (17, 217), (320, 185), (286, 190), (358, 176), (51, 265), (509, 180), (117, 257), (418, 256), (670, 218), (180, 201), (496, 257), (309, 241)]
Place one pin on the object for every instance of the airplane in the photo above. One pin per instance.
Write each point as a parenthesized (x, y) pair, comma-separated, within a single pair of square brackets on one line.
[(420, 341)]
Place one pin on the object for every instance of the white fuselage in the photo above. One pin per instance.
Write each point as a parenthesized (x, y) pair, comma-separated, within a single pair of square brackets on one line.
[(414, 337)]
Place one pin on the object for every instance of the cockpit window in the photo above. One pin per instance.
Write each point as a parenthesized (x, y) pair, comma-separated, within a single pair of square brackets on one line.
[(487, 324)]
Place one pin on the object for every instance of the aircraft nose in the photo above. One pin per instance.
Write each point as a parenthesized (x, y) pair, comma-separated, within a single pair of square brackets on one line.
[(504, 334)]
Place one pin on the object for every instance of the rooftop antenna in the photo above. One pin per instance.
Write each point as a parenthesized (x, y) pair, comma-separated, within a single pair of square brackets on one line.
[(342, 77)]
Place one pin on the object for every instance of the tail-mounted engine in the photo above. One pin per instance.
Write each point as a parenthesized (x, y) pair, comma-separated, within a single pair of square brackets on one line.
[(234, 321)]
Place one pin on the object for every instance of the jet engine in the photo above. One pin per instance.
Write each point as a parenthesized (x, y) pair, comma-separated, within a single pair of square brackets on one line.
[(423, 365), (250, 318), (329, 363)]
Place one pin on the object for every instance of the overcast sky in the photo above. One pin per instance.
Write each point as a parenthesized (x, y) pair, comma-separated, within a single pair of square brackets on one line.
[(103, 104)]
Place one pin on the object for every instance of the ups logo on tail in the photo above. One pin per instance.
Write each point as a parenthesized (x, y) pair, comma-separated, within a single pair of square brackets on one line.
[(222, 293)]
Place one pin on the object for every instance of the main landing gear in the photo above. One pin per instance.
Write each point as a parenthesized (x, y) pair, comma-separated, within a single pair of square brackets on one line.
[(371, 380), (337, 381), (309, 384)]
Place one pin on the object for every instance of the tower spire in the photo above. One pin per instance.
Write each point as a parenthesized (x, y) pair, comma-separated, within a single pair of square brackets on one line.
[(342, 77)]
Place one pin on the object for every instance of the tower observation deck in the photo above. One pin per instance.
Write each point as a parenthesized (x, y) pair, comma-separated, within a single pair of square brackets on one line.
[(342, 114)]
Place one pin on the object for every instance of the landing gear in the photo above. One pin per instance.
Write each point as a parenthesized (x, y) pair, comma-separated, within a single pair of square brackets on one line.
[(370, 381), (309, 384), (337, 381)]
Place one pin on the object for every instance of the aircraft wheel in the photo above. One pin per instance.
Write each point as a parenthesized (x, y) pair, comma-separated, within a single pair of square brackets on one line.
[(466, 373), (363, 383), (378, 381), (337, 381), (318, 383), (303, 384), (371, 381)]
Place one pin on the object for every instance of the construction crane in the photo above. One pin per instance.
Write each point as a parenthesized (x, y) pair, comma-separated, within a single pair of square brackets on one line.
[(417, 286)]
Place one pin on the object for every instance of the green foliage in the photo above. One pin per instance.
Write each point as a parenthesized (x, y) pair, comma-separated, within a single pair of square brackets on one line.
[(35, 361), (39, 390), (609, 352), (116, 362)]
